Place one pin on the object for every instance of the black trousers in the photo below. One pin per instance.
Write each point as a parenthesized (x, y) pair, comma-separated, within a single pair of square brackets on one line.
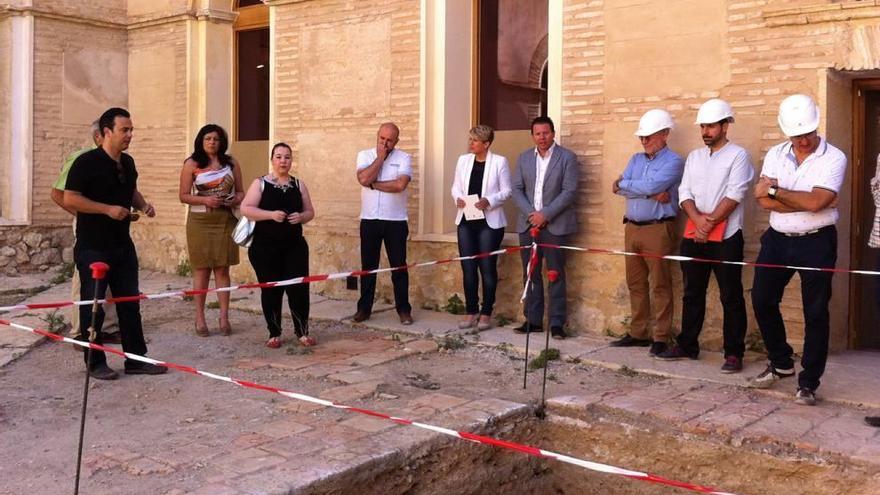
[(393, 233), (695, 276), (817, 250), (474, 238), (274, 261), (123, 281)]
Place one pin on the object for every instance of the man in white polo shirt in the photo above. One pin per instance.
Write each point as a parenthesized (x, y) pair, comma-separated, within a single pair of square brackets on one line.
[(716, 178), (799, 185), (384, 172)]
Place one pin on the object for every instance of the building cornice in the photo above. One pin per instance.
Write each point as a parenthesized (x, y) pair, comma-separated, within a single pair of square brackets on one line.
[(210, 15), (826, 12)]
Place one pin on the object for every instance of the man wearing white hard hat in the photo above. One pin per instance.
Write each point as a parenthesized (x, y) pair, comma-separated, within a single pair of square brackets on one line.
[(799, 185), (650, 185), (716, 179)]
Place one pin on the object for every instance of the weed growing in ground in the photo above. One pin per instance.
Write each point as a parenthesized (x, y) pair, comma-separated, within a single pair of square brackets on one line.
[(65, 272), (54, 322), (213, 305), (454, 305), (297, 350), (546, 355), (184, 269), (503, 320), (754, 342), (452, 343)]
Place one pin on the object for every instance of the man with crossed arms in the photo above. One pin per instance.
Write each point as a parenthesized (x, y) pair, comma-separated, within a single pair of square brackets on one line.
[(799, 185)]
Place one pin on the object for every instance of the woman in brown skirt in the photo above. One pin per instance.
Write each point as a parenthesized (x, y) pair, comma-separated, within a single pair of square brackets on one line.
[(210, 183)]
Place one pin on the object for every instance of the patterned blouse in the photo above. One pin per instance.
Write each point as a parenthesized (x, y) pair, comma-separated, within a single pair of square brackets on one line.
[(874, 238), (218, 183)]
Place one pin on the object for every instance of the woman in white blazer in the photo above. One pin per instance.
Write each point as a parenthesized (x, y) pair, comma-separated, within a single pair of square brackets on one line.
[(482, 179)]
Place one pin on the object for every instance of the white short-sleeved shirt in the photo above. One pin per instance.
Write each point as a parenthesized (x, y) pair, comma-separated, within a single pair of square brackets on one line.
[(825, 169), (380, 205), (709, 178)]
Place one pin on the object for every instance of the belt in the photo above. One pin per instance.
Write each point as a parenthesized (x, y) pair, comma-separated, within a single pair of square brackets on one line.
[(649, 222), (802, 234)]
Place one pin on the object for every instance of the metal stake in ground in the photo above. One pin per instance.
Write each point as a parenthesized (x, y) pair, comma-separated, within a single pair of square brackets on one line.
[(99, 270), (530, 268), (552, 275)]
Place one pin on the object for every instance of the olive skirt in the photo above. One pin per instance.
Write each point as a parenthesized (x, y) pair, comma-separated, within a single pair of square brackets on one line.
[(209, 238)]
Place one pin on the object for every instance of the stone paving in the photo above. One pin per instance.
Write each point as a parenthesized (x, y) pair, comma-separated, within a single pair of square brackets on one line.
[(243, 443)]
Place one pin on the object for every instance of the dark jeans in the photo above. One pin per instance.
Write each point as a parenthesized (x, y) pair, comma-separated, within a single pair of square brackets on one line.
[(477, 237), (534, 307), (393, 233), (123, 281), (813, 250), (273, 261), (695, 276)]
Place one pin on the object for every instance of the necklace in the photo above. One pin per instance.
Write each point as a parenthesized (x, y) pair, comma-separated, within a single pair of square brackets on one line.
[(281, 187)]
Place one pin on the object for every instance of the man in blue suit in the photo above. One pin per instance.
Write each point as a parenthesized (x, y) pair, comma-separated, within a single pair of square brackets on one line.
[(544, 187)]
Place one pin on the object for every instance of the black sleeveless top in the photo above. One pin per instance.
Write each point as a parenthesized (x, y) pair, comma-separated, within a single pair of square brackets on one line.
[(285, 198)]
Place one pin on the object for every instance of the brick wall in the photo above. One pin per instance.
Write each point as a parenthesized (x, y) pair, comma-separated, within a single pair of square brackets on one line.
[(341, 69), (157, 71)]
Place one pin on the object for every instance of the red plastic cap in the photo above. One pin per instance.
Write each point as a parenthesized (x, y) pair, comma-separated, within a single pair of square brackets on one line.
[(99, 269), (535, 231), (552, 275)]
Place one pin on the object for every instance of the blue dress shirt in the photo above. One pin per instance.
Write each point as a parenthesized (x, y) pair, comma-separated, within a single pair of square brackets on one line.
[(644, 177)]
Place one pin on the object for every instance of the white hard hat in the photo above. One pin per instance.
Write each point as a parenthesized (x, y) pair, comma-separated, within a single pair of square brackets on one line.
[(798, 115), (714, 110), (653, 121)]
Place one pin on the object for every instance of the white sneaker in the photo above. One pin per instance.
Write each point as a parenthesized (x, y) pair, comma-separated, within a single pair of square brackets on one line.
[(770, 376), (805, 397)]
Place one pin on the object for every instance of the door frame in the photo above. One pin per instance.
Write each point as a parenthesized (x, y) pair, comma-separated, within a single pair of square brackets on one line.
[(858, 164)]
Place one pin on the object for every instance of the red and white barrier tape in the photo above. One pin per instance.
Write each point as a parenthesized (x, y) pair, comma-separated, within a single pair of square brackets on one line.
[(463, 435), (280, 283), (361, 273), (673, 257)]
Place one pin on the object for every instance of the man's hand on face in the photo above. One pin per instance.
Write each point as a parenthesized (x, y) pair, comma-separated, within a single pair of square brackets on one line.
[(117, 212), (382, 152)]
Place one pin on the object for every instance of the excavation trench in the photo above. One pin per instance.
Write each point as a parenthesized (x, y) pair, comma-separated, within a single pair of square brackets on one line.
[(438, 464)]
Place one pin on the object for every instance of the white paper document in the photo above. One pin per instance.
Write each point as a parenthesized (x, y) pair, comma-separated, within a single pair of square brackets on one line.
[(470, 209)]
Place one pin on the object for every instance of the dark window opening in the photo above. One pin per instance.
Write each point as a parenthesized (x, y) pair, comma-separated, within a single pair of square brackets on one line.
[(512, 62), (253, 84)]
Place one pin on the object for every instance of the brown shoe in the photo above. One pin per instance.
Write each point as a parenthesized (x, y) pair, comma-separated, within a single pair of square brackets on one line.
[(360, 316), (405, 318)]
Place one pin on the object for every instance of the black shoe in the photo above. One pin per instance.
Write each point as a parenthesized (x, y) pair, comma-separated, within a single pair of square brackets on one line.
[(872, 420), (528, 327), (674, 353), (360, 316), (144, 369), (103, 372), (657, 348), (558, 333), (111, 338), (630, 341)]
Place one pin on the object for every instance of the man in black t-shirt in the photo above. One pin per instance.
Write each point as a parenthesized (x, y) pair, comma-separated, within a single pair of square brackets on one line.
[(102, 188)]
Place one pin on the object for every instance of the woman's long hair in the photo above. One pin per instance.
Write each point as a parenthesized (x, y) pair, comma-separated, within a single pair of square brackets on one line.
[(200, 157)]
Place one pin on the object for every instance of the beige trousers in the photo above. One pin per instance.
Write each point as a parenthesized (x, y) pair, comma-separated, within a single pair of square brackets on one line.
[(650, 279)]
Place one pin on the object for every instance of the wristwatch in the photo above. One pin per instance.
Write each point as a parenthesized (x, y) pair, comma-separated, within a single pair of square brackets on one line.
[(771, 192)]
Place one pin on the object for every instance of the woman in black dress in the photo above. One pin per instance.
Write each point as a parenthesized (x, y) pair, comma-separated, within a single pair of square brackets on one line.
[(280, 204)]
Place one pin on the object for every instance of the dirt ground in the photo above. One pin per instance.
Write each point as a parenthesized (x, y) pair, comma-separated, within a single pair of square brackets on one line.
[(178, 433)]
